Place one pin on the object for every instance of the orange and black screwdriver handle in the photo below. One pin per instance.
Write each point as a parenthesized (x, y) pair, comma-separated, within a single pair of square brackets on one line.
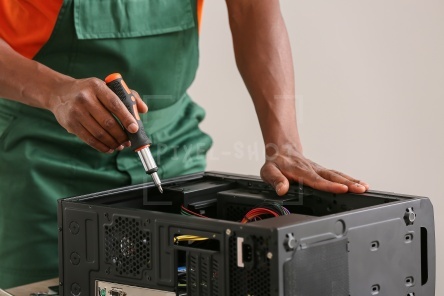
[(139, 140)]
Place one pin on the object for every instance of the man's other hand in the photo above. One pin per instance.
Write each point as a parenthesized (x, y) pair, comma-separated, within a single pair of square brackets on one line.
[(282, 168)]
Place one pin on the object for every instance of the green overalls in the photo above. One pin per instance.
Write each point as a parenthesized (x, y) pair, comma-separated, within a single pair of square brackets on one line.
[(154, 45)]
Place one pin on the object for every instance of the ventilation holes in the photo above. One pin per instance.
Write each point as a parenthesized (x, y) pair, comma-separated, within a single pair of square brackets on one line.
[(192, 270), (127, 247), (215, 277), (249, 281)]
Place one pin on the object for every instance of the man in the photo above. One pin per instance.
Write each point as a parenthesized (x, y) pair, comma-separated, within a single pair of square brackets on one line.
[(49, 53)]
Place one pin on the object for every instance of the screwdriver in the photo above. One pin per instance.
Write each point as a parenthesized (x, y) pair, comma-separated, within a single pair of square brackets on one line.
[(140, 142)]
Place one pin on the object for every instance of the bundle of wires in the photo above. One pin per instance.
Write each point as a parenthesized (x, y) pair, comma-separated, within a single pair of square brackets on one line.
[(265, 210), (187, 212), (189, 238)]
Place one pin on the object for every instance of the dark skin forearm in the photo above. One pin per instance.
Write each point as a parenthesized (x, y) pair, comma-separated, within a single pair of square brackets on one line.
[(24, 80), (263, 57), (84, 107)]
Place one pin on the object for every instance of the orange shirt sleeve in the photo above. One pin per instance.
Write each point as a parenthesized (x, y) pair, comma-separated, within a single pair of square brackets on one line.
[(26, 25), (200, 4)]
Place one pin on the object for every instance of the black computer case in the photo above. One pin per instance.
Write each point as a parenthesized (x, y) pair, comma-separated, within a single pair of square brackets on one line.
[(136, 241)]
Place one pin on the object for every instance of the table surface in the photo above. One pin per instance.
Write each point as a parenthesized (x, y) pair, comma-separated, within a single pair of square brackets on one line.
[(33, 288)]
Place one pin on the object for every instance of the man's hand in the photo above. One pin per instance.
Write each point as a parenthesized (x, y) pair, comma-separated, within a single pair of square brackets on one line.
[(85, 108), (263, 56), (282, 168)]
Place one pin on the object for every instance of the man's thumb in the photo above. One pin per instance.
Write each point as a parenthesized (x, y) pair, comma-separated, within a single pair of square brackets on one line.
[(273, 176)]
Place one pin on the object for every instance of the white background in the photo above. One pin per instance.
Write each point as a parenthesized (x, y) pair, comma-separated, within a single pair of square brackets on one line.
[(370, 92)]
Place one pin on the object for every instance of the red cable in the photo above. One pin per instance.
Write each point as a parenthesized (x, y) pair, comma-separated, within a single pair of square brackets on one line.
[(192, 213), (256, 212)]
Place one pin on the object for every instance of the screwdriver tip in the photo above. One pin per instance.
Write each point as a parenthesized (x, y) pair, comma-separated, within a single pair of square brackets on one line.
[(160, 189)]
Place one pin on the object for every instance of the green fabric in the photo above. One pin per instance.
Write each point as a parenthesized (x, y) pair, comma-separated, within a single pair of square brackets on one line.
[(40, 162), (144, 18)]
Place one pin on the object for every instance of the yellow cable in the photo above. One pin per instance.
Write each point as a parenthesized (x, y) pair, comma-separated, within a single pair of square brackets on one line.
[(182, 238)]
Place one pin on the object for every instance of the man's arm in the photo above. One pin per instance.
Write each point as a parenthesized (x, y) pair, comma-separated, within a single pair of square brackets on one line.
[(84, 107), (263, 57)]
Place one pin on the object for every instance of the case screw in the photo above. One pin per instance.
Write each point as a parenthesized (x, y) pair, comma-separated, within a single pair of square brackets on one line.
[(228, 232), (269, 255), (409, 216), (290, 242)]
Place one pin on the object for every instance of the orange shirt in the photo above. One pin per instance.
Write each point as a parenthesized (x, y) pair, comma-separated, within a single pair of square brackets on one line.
[(26, 25)]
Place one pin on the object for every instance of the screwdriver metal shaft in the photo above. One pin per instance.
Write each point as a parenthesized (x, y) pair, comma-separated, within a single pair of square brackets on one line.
[(150, 166)]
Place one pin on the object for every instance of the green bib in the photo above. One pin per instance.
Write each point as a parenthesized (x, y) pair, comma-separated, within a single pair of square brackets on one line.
[(154, 45)]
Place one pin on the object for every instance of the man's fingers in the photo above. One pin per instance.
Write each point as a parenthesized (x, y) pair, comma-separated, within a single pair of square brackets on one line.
[(109, 123), (273, 176), (89, 139), (101, 134), (353, 185), (90, 110), (141, 106), (316, 181), (112, 102), (352, 179)]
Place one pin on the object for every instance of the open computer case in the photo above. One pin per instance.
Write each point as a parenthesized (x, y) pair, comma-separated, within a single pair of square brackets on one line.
[(222, 234)]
